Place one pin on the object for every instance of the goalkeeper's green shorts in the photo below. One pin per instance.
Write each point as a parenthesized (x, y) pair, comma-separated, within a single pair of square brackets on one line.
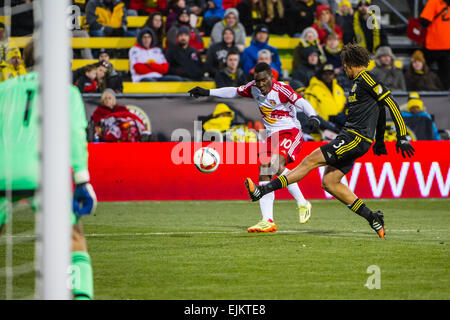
[(31, 200)]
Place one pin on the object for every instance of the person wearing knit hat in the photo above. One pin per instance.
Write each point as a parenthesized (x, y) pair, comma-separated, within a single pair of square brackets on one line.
[(368, 33), (259, 41), (420, 121), (230, 20), (386, 71), (419, 77), (14, 65), (325, 23), (195, 38), (309, 37), (344, 19)]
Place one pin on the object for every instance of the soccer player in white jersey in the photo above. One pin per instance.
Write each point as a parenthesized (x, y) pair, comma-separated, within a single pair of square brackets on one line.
[(278, 104)]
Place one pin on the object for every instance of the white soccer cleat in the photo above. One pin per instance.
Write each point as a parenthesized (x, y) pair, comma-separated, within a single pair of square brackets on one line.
[(304, 212)]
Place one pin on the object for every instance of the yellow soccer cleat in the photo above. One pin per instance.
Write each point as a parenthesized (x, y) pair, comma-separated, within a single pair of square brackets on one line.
[(304, 212), (263, 226)]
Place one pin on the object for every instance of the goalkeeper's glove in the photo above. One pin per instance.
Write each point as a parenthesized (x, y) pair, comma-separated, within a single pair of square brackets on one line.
[(199, 92), (379, 148), (84, 199), (314, 123), (404, 145)]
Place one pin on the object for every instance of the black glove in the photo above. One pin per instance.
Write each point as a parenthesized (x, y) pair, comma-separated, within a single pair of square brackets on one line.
[(314, 123), (379, 148), (199, 92), (404, 145)]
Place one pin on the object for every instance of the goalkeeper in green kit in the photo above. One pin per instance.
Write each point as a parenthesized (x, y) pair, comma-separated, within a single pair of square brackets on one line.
[(19, 161)]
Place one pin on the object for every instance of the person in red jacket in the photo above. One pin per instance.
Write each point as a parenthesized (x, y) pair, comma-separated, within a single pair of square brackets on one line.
[(115, 123), (325, 23), (147, 61)]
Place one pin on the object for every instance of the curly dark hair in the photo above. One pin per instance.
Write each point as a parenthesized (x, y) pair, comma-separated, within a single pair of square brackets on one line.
[(354, 55)]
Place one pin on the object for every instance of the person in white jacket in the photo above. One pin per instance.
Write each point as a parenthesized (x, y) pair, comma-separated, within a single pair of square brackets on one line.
[(147, 62), (231, 19)]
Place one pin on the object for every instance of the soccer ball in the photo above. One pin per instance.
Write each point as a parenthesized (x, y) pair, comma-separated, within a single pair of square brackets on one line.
[(206, 159)]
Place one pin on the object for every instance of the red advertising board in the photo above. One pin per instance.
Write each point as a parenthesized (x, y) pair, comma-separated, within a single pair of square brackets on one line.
[(164, 171)]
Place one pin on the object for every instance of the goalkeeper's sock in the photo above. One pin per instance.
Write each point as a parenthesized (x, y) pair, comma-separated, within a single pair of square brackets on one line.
[(266, 204), (294, 190), (82, 276), (360, 208)]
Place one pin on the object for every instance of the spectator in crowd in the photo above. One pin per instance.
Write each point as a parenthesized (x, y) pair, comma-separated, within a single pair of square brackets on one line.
[(115, 123), (113, 78), (22, 23), (309, 69), (144, 7), (259, 41), (175, 9), (148, 62), (299, 15), (325, 94), (332, 49), (325, 23), (386, 71), (368, 34), (344, 19), (308, 38), (436, 18), (251, 13), (14, 65), (184, 60), (5, 45), (231, 75), (195, 39), (420, 122), (86, 79), (107, 18), (419, 77), (275, 17), (231, 20), (213, 14), (265, 56), (196, 7), (156, 22), (101, 75), (217, 53)]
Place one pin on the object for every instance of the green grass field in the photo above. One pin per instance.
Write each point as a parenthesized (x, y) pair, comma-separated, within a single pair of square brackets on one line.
[(201, 250)]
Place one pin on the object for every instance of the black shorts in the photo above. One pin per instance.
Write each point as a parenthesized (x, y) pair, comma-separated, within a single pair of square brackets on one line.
[(342, 152)]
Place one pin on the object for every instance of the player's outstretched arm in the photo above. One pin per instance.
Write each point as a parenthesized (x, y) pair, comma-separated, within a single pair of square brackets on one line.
[(227, 92)]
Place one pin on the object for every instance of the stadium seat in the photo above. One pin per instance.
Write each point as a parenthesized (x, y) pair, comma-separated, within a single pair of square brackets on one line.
[(165, 87)]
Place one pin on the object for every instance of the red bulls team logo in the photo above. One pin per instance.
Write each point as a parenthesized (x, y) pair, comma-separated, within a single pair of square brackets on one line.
[(279, 114)]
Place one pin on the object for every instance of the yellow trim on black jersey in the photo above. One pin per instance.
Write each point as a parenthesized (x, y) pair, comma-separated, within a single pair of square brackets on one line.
[(368, 78), (397, 115), (384, 95), (348, 147), (360, 135)]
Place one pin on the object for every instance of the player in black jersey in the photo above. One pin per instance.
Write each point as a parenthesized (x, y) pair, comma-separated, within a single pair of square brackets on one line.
[(366, 114)]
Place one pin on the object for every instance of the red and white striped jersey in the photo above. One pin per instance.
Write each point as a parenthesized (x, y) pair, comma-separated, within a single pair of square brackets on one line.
[(279, 107)]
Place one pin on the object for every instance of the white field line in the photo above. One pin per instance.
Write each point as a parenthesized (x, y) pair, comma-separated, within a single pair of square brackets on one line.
[(146, 234)]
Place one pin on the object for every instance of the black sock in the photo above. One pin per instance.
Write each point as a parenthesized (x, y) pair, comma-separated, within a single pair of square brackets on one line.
[(276, 184), (360, 208)]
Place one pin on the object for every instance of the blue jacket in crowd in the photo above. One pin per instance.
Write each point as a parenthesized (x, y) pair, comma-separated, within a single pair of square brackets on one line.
[(250, 56)]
